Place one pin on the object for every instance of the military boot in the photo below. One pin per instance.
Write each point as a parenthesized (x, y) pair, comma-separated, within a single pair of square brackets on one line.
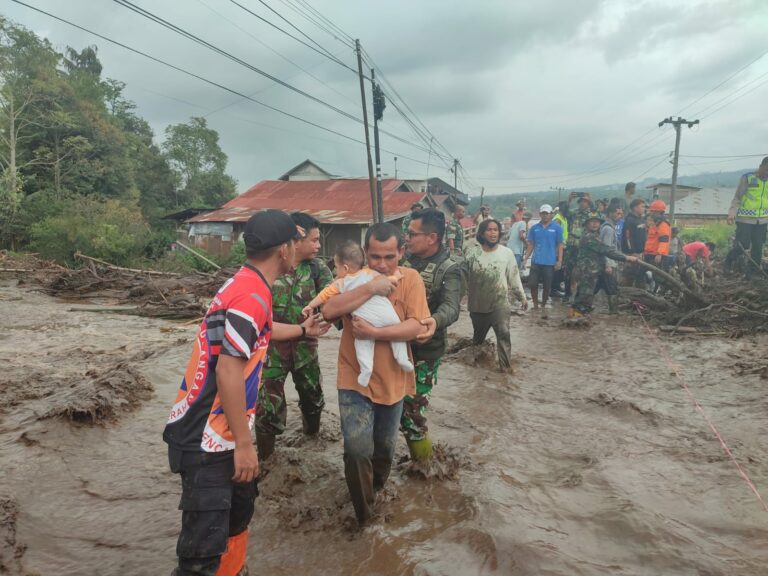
[(265, 445), (310, 423), (613, 304), (420, 449)]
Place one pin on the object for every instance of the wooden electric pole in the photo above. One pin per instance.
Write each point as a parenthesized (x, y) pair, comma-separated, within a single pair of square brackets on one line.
[(371, 179), (677, 124), (455, 173), (378, 113)]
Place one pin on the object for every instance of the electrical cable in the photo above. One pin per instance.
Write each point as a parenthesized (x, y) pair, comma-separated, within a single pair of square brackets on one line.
[(207, 81)]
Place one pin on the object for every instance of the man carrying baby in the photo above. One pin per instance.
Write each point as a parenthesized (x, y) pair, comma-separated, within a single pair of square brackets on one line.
[(378, 310), (370, 415)]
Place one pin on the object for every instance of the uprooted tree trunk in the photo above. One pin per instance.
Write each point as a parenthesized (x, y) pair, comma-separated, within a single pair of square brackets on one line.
[(673, 282)]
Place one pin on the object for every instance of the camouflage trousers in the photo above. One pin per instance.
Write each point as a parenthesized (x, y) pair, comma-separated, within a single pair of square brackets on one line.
[(585, 291), (271, 408), (413, 422)]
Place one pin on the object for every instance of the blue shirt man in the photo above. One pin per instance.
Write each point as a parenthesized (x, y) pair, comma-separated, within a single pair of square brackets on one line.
[(545, 243)]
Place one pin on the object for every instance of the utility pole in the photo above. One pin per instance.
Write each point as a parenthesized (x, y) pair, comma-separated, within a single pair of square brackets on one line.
[(371, 179), (455, 178), (677, 124), (378, 113), (395, 167), (455, 172), (559, 190)]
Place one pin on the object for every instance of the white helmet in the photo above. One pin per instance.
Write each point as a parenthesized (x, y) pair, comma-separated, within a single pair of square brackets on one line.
[(546, 208)]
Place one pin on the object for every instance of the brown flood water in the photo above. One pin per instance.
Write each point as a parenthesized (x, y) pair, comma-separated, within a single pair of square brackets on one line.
[(590, 460)]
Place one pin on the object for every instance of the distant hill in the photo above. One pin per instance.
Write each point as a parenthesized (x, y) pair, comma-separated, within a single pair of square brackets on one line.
[(504, 204)]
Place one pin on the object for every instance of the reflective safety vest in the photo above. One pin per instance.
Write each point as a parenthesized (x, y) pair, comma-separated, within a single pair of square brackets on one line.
[(754, 203), (560, 219)]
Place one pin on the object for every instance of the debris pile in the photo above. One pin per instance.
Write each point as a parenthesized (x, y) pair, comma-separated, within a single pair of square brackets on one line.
[(140, 292), (728, 306), (101, 396)]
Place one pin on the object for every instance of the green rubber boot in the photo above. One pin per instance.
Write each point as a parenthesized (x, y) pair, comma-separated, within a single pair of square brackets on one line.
[(420, 449), (613, 304)]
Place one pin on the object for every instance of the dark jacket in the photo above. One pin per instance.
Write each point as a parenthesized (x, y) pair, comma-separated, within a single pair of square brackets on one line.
[(633, 235), (443, 299)]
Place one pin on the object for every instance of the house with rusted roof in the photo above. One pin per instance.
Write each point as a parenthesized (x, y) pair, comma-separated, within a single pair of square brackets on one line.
[(342, 205)]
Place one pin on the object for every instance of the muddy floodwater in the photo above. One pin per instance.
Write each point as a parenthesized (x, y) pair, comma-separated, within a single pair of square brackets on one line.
[(589, 460)]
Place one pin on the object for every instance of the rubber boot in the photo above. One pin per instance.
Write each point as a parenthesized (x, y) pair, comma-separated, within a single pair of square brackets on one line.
[(310, 424), (613, 304), (265, 445), (420, 449)]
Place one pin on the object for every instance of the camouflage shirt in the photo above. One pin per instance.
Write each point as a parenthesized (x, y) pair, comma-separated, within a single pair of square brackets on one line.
[(442, 280), (406, 223), (454, 231), (592, 254), (290, 293), (578, 220)]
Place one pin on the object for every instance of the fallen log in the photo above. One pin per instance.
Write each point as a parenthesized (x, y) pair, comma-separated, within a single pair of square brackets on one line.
[(120, 268), (646, 298), (196, 253), (669, 279)]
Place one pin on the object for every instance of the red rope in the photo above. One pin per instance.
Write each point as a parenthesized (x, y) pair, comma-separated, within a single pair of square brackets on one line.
[(640, 309)]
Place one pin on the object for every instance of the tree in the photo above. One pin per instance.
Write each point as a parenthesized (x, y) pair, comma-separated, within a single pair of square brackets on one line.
[(27, 64), (199, 164)]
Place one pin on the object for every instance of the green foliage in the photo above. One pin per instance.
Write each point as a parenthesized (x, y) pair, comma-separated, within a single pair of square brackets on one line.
[(198, 163), (109, 230), (718, 233), (69, 140)]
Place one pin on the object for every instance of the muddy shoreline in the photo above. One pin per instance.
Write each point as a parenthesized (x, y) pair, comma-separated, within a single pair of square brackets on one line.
[(588, 460)]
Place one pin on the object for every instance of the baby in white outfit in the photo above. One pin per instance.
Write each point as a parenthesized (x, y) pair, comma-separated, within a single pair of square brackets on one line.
[(377, 311)]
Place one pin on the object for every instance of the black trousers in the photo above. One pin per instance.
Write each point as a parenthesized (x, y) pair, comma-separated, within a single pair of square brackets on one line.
[(540, 273), (213, 508), (750, 237)]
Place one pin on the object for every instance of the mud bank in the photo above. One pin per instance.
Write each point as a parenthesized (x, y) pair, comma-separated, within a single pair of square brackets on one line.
[(590, 460)]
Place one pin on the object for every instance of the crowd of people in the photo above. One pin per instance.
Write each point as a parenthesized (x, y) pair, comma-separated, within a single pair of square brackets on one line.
[(394, 297)]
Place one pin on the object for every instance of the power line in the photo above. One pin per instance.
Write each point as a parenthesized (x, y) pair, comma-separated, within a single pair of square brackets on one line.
[(299, 40), (207, 81), (182, 32), (178, 30), (711, 90), (268, 47), (737, 156), (328, 21)]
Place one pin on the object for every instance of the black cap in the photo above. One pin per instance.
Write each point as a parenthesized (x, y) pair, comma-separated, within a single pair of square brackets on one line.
[(269, 228)]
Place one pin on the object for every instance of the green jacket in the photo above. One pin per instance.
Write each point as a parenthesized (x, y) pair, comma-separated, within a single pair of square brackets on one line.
[(442, 279)]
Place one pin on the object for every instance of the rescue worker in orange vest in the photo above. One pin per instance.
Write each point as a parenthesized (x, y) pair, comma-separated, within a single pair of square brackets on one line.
[(659, 235)]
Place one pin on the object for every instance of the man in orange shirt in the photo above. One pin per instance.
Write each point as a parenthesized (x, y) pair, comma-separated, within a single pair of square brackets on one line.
[(370, 415), (659, 234)]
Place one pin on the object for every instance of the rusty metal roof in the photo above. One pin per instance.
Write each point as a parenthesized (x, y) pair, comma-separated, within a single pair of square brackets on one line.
[(340, 201)]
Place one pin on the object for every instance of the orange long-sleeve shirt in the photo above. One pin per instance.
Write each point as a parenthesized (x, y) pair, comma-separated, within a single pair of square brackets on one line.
[(658, 239)]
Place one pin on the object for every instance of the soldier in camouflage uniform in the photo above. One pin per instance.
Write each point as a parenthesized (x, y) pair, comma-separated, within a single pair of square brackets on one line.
[(454, 232), (576, 222), (415, 207), (442, 279), (589, 264), (290, 293)]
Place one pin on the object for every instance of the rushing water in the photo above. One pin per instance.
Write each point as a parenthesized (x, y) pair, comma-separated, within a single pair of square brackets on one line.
[(589, 460)]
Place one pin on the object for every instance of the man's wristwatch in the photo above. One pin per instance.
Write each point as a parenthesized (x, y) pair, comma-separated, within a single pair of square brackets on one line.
[(303, 332)]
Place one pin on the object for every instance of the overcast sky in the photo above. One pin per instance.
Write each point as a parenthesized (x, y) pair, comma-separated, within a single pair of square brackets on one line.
[(526, 94)]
